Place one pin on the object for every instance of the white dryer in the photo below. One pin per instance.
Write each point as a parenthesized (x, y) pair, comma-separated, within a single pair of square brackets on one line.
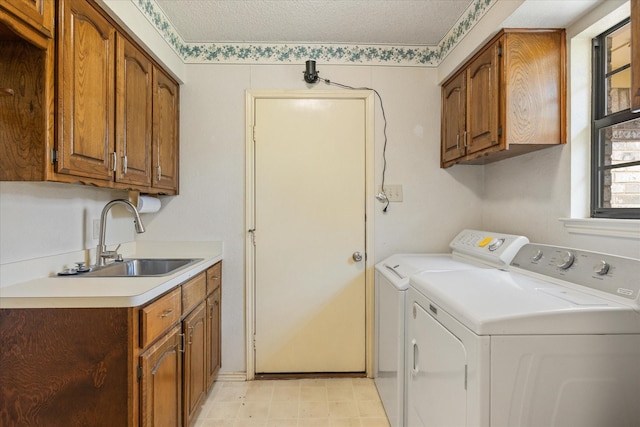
[(471, 249), (554, 342)]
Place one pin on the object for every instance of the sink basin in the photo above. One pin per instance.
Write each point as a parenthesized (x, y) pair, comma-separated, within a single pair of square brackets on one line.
[(141, 267)]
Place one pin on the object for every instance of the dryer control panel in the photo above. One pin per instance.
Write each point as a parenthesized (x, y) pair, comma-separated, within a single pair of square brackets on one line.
[(496, 249), (612, 274)]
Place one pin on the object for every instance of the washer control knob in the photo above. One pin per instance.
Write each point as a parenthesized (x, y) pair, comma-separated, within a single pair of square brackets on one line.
[(537, 257), (567, 260), (495, 244), (602, 268)]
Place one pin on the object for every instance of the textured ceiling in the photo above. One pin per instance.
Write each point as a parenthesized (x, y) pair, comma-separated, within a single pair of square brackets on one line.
[(382, 22), (377, 32)]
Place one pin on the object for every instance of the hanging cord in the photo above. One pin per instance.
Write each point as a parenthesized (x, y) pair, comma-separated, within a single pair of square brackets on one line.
[(384, 147)]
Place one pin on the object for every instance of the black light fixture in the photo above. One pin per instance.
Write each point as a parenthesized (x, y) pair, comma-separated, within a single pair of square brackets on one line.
[(310, 73)]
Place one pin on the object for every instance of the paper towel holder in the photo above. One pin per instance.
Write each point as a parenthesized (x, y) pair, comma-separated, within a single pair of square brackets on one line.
[(136, 198)]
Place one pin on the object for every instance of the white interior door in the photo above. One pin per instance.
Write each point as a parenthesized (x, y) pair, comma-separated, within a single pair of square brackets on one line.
[(309, 161)]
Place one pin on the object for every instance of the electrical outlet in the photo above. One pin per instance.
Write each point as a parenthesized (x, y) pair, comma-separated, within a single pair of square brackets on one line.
[(393, 192), (96, 229)]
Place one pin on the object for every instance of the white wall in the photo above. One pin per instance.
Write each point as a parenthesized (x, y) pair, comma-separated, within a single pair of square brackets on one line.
[(529, 194), (437, 203), (39, 219)]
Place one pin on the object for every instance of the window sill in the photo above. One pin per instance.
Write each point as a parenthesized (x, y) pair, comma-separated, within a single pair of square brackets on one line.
[(627, 228)]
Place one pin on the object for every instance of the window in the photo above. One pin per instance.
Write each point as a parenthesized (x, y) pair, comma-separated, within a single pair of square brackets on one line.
[(615, 141)]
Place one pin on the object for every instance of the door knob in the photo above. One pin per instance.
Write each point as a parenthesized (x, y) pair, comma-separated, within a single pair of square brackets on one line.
[(357, 256)]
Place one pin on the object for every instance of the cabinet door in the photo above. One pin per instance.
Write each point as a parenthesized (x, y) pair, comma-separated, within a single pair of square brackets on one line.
[(482, 100), (194, 328), (37, 13), (165, 132), (161, 382), (133, 114), (214, 342), (454, 118), (85, 80)]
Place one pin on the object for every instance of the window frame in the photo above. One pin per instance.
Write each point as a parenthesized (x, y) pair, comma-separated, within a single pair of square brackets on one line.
[(600, 120)]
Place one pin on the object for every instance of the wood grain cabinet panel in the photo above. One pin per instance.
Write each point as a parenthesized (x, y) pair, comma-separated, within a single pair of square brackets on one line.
[(86, 106), (158, 316), (37, 14), (214, 336), (195, 388), (482, 101), (65, 367), (139, 366), (86, 52), (161, 382), (133, 114), (165, 132), (193, 292), (514, 95), (454, 104)]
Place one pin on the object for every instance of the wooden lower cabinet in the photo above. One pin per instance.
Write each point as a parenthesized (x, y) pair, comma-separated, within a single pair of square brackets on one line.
[(133, 366), (66, 367), (214, 340), (161, 382), (195, 358)]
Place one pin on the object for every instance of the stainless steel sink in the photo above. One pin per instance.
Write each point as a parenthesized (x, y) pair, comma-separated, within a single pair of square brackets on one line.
[(141, 267)]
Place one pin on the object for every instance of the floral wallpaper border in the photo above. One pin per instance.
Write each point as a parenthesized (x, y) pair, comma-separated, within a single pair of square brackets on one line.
[(239, 53)]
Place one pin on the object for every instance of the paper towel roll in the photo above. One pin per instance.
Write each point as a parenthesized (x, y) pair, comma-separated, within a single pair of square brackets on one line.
[(147, 204)]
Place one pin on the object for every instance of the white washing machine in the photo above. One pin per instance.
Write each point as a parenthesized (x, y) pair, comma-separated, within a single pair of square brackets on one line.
[(554, 342), (471, 249)]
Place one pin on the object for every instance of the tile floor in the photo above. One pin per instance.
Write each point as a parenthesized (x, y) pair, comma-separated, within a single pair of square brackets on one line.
[(335, 402)]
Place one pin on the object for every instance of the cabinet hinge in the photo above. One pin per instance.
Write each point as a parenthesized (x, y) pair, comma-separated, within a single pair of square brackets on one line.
[(139, 372), (499, 131), (254, 341), (54, 155), (499, 50), (253, 130)]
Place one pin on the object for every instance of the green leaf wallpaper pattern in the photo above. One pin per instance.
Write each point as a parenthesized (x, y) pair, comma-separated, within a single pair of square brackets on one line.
[(238, 53)]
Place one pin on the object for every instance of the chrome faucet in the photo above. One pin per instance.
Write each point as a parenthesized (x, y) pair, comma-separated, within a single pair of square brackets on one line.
[(102, 253)]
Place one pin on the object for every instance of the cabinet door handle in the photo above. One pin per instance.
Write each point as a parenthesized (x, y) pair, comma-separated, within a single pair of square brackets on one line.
[(190, 335), (124, 164), (115, 161), (166, 313), (465, 138), (159, 172), (458, 141)]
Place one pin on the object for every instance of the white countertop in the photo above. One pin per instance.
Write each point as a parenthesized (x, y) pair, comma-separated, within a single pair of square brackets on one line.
[(90, 292)]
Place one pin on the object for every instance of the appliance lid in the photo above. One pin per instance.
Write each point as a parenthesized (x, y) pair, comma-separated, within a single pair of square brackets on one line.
[(398, 268), (497, 302)]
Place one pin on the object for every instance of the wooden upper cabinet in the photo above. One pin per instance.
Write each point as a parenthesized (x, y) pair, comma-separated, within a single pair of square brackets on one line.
[(454, 101), (515, 89), (89, 105), (635, 56), (165, 132), (482, 101), (134, 93), (37, 14), (86, 53)]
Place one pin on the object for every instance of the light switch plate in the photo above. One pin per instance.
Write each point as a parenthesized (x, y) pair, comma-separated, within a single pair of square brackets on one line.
[(393, 192)]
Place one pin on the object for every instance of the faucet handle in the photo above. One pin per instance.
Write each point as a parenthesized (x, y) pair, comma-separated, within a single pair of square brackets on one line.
[(81, 267)]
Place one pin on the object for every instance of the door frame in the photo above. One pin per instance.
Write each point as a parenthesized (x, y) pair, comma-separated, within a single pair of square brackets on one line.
[(250, 306)]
